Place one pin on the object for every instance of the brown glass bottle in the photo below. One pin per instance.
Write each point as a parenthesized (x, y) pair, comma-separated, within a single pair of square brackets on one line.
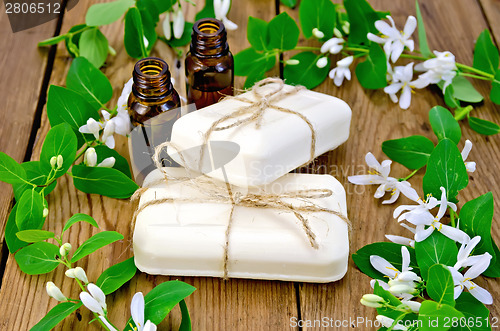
[(209, 64)]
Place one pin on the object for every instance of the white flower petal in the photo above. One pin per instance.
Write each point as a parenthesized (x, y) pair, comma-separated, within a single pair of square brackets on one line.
[(453, 233), (481, 294), (405, 97), (479, 267), (137, 310), (108, 162), (410, 26), (366, 179), (91, 303), (167, 27), (400, 240), (97, 293), (406, 258), (371, 161), (149, 326), (424, 234), (383, 266), (394, 197)]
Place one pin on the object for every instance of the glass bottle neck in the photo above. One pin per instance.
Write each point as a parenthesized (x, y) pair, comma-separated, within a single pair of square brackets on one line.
[(151, 80), (209, 38)]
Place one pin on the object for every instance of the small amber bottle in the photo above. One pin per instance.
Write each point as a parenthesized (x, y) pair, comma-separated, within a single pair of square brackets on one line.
[(209, 64)]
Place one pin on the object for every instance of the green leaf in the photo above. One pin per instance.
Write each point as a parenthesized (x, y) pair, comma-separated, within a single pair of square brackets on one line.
[(495, 88), (437, 317), (94, 47), (79, 218), (436, 249), (164, 5), (186, 320), (73, 39), (10, 171), (121, 163), (449, 99), (52, 41), (257, 33), (134, 34), (444, 124), (207, 11), (283, 32), (85, 79), (115, 276), (104, 181), (372, 72), (362, 19), (13, 243), (35, 176), (38, 258), (440, 286), (422, 36), (106, 13), (56, 315), (95, 242), (318, 14), (289, 3), (306, 73), (185, 39), (149, 18), (476, 314), (66, 106), (249, 61), (483, 126), (387, 250), (253, 78), (29, 213), (486, 56), (412, 152), (32, 236), (60, 140), (463, 90), (476, 218), (445, 168)]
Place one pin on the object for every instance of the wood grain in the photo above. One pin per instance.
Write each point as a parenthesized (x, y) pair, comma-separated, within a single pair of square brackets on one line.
[(23, 67)]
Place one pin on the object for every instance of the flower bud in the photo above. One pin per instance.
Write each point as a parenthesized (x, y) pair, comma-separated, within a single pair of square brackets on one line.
[(70, 273), (292, 62), (81, 275), (108, 162), (53, 161), (373, 298), (45, 212), (64, 249), (337, 33), (54, 292), (317, 33), (346, 27), (322, 62), (413, 305), (60, 161), (167, 29), (90, 157), (370, 303), (178, 23), (403, 288)]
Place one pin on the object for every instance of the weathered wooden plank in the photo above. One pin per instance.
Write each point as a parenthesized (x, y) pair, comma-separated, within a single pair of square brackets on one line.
[(376, 119), (216, 305), (491, 11), (22, 69)]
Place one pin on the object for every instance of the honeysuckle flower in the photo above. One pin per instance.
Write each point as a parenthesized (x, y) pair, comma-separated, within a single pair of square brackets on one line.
[(322, 62), (122, 123), (401, 240), (388, 322), (317, 33), (333, 45), (337, 33), (393, 40), (64, 249), (341, 71), (90, 157), (465, 281), (167, 28), (82, 276), (108, 162), (379, 175), (137, 310), (95, 301), (413, 305), (292, 62), (442, 67), (92, 126), (54, 292), (106, 322), (60, 161), (178, 21), (45, 212), (402, 80), (469, 166), (372, 300), (53, 161), (463, 258), (221, 8), (107, 135), (416, 214)]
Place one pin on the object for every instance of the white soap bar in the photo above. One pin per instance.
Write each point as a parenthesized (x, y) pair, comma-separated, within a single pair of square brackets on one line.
[(281, 144), (187, 239)]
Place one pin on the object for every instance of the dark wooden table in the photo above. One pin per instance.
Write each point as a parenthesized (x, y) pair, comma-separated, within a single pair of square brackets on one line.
[(26, 73)]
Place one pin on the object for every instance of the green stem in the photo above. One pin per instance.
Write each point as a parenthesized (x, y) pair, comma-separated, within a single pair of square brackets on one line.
[(357, 49), (453, 216), (307, 48), (414, 57), (477, 71), (71, 34), (473, 76), (409, 176), (463, 112)]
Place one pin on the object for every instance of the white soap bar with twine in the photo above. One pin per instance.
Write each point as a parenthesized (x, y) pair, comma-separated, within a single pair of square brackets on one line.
[(295, 229), (262, 134)]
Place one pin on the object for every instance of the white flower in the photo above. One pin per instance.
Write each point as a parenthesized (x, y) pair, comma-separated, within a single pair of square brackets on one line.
[(107, 135), (108, 325), (463, 258), (108, 162), (90, 157), (322, 62), (388, 322), (401, 240), (402, 80), (137, 310), (92, 127), (54, 292), (64, 249), (95, 301), (167, 28), (470, 166), (333, 45), (464, 281), (122, 123), (341, 71), (394, 41), (416, 214), (221, 8), (413, 305), (379, 176), (123, 99), (442, 67), (317, 33), (178, 21), (77, 273)]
